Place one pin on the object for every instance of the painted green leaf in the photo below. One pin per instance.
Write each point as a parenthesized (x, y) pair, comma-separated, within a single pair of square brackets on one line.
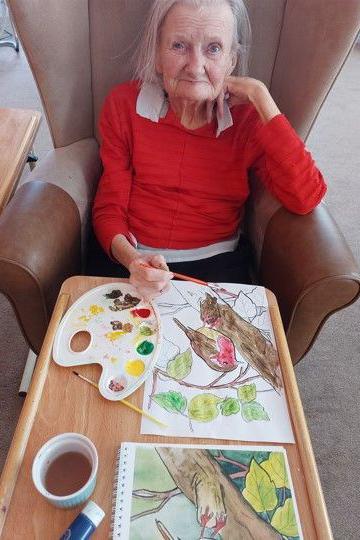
[(275, 467), (180, 366), (173, 402), (284, 519), (229, 406), (259, 490), (253, 411), (247, 392), (203, 407)]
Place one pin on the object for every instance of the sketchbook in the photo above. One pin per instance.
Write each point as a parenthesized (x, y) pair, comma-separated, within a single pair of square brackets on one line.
[(218, 373), (193, 492)]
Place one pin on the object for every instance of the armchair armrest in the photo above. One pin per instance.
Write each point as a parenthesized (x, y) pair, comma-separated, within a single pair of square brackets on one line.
[(39, 249), (76, 169), (307, 263)]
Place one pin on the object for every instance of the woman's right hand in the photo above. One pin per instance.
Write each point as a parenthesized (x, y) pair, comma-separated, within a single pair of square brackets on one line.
[(150, 275)]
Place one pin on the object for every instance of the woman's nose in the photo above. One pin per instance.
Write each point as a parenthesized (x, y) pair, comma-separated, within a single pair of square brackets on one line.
[(196, 63)]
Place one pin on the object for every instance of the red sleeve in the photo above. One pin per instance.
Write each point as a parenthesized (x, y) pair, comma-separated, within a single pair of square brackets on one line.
[(287, 169), (112, 197)]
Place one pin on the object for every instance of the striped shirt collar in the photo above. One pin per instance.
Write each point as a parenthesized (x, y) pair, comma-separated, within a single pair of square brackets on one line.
[(153, 105)]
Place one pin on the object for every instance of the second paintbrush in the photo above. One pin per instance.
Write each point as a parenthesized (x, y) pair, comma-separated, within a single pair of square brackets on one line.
[(123, 401)]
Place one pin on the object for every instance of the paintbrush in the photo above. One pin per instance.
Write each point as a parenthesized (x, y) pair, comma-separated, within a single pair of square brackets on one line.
[(180, 276), (127, 403)]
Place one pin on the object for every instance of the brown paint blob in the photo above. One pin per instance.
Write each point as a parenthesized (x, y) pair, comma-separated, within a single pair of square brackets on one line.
[(68, 473)]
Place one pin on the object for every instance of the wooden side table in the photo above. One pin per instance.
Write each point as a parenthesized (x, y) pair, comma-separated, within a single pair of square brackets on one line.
[(59, 402), (18, 129)]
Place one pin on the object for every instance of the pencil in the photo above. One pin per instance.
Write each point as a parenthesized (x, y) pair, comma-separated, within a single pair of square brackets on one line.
[(127, 403)]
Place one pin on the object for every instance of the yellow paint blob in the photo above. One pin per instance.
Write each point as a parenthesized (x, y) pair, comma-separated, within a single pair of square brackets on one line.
[(95, 310), (84, 318), (113, 336), (114, 360), (135, 367)]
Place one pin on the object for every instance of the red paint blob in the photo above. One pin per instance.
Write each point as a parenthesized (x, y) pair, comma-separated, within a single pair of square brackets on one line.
[(143, 313)]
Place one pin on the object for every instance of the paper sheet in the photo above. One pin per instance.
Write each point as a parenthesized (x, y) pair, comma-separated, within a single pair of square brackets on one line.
[(218, 373), (204, 492)]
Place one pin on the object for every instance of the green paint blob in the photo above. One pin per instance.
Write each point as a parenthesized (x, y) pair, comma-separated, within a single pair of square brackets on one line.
[(145, 347), (145, 331)]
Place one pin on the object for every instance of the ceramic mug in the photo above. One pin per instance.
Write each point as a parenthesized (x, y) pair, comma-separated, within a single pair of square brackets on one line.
[(52, 449)]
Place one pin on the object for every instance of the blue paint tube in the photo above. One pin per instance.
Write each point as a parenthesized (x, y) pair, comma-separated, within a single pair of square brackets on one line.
[(85, 523)]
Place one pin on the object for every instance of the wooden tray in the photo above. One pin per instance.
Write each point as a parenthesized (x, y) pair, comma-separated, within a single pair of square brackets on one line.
[(58, 402)]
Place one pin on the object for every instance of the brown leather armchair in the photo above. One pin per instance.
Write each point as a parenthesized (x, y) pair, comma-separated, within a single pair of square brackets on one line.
[(77, 52)]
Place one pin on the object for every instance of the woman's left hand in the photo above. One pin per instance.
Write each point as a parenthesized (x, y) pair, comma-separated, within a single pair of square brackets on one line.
[(243, 90)]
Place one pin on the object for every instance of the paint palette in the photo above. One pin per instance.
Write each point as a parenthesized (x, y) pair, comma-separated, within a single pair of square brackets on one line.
[(122, 332)]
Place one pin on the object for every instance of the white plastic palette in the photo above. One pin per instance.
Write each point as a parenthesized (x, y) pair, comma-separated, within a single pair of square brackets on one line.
[(125, 335)]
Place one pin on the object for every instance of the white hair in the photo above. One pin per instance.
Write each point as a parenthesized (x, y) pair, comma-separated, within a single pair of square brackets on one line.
[(145, 54)]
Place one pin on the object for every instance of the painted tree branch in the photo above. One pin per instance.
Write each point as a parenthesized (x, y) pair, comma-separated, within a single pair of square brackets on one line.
[(163, 496), (247, 338), (244, 469), (153, 387), (224, 459), (211, 386), (218, 378), (148, 494), (202, 481), (240, 474)]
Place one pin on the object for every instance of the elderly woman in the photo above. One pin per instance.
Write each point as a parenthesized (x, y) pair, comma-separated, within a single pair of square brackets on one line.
[(177, 145)]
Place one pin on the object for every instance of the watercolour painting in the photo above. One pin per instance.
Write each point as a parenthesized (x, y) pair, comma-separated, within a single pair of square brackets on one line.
[(200, 493), (218, 373)]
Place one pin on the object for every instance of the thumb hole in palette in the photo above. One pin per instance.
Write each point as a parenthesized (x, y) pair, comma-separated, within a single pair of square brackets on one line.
[(80, 341)]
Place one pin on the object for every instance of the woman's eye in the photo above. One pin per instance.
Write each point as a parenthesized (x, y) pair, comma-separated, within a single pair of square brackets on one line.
[(178, 46), (214, 48)]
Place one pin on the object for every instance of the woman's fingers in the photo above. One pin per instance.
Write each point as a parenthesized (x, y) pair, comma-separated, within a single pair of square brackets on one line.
[(220, 103), (149, 293), (150, 275), (237, 91), (166, 288), (244, 89), (153, 275), (209, 111), (158, 261), (151, 269)]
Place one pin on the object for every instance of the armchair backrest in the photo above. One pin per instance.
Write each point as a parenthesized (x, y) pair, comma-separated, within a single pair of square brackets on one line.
[(79, 49)]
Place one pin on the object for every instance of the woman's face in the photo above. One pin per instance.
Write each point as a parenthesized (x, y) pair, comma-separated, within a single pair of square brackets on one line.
[(194, 53)]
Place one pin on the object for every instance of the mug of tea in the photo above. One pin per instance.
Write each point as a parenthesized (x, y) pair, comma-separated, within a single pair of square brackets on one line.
[(64, 469)]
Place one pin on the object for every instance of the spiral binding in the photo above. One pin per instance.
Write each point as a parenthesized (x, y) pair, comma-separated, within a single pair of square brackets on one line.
[(117, 500)]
